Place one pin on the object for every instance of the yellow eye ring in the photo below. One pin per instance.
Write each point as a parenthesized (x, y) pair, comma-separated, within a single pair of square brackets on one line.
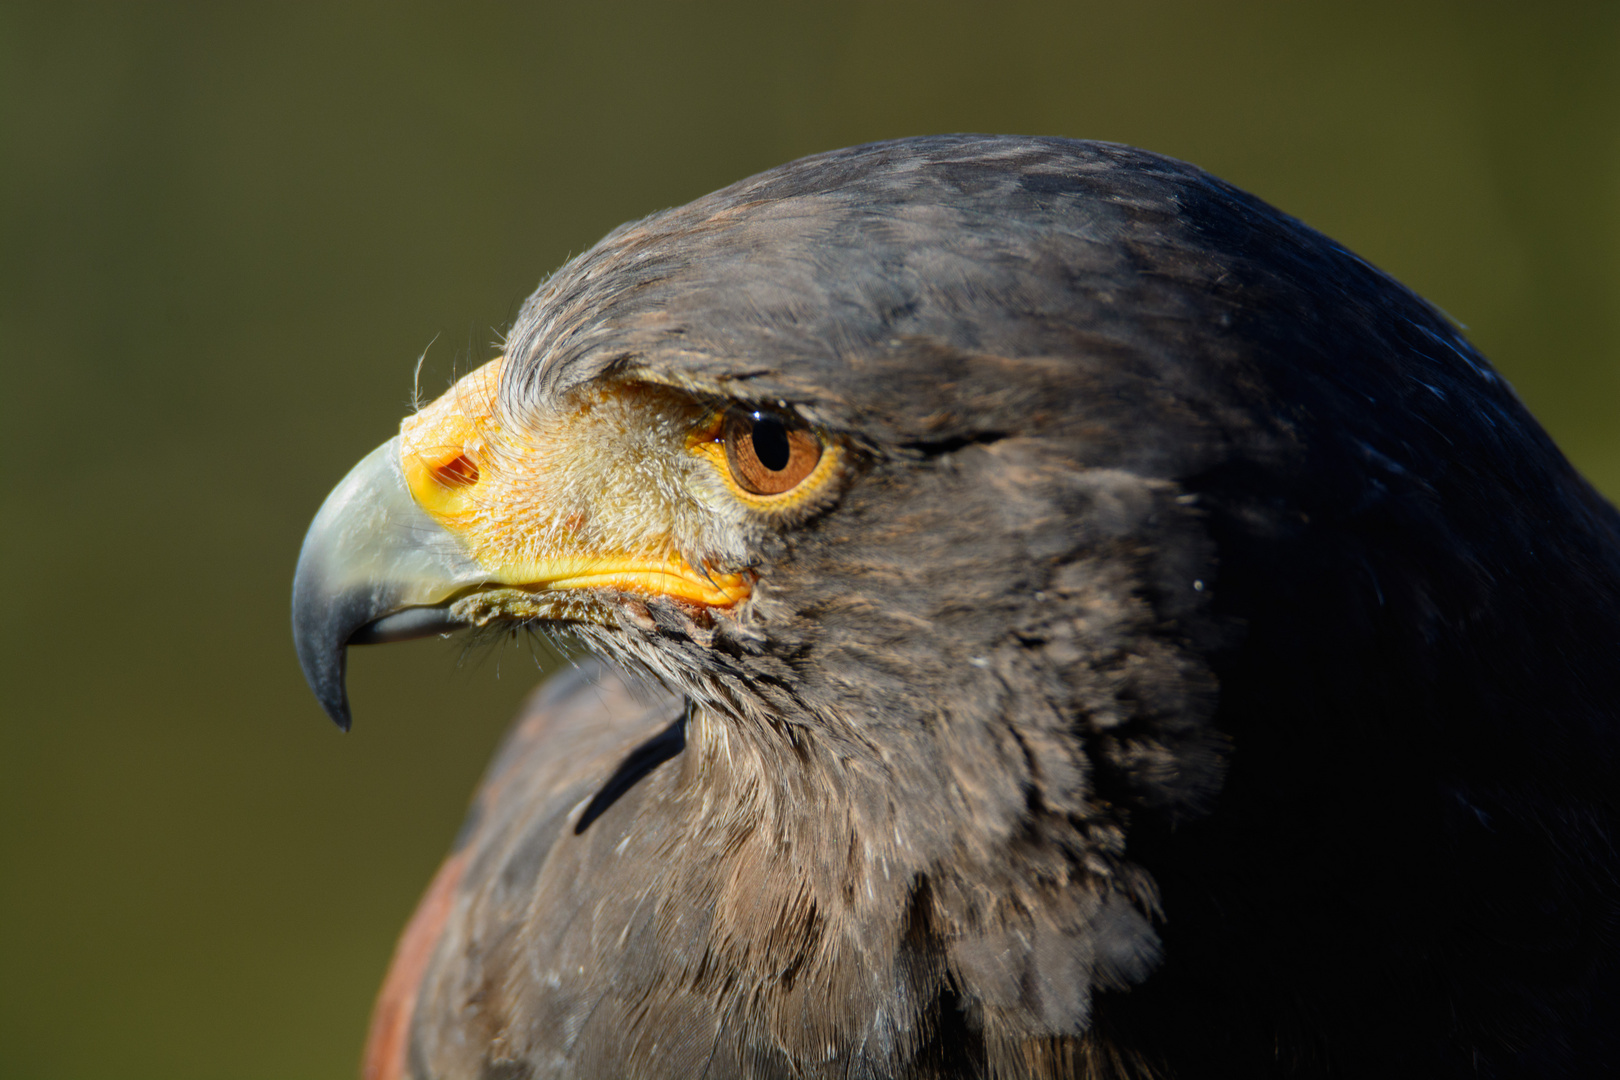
[(769, 461)]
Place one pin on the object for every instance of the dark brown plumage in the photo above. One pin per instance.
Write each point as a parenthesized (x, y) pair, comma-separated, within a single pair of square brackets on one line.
[(1187, 659)]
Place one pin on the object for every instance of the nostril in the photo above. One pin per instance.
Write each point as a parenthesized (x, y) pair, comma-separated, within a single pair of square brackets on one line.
[(459, 471)]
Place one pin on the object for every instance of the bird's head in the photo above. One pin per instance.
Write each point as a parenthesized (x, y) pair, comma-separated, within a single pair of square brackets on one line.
[(836, 453), (833, 434)]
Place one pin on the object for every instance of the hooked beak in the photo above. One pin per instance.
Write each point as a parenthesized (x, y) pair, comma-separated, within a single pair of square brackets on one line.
[(375, 567)]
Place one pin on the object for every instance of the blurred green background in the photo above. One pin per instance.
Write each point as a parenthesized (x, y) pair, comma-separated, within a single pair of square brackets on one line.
[(227, 233)]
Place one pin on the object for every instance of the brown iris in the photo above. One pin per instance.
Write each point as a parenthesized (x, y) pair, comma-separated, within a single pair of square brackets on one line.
[(768, 453)]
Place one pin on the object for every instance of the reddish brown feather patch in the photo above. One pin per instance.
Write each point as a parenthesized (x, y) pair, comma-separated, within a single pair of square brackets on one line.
[(389, 1038)]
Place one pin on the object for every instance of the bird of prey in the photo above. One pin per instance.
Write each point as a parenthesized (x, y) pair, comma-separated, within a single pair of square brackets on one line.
[(1058, 616)]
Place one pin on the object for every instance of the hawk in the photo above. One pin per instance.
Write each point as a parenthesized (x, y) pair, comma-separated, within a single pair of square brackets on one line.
[(1058, 617)]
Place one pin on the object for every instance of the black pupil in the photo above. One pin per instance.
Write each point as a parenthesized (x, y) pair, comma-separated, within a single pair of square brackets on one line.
[(771, 442)]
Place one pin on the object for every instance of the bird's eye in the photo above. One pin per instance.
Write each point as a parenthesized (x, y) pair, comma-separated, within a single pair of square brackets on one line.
[(769, 454)]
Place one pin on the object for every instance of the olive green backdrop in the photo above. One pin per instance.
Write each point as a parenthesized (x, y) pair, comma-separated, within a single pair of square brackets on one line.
[(227, 234)]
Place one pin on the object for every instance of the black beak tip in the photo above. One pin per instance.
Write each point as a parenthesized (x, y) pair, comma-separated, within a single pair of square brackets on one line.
[(325, 626), (338, 710), (322, 644), (325, 671)]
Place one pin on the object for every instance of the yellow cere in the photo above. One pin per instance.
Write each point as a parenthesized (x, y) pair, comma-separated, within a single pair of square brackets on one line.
[(582, 498)]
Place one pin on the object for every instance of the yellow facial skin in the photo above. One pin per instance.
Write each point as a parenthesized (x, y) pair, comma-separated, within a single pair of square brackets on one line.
[(587, 497)]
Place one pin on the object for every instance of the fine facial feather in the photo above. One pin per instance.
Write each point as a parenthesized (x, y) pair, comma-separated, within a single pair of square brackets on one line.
[(1156, 691)]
